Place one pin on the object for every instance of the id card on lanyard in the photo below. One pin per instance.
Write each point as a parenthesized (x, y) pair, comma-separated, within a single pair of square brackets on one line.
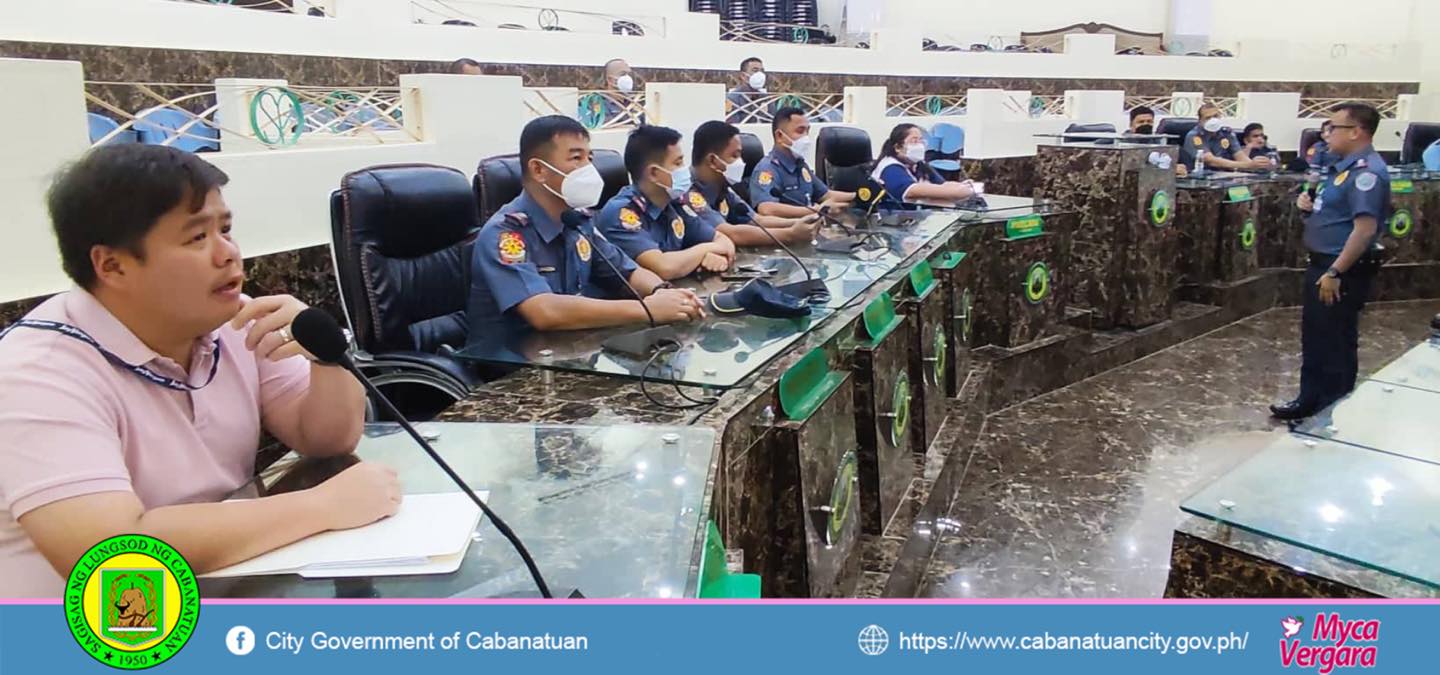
[(140, 371)]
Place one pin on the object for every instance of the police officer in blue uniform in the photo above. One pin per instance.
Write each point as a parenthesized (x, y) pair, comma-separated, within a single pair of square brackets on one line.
[(715, 165), (651, 219), (1223, 151), (538, 263), (783, 184), (1341, 234)]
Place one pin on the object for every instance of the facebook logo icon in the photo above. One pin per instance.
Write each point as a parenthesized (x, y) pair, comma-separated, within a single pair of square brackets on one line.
[(240, 640)]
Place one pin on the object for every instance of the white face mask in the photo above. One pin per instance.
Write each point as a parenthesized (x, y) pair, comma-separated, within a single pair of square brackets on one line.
[(915, 152), (1213, 125), (757, 80), (734, 171), (625, 83), (582, 187), (801, 146)]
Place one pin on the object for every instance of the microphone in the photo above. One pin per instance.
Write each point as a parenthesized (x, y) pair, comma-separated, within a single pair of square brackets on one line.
[(811, 285), (320, 335), (638, 344)]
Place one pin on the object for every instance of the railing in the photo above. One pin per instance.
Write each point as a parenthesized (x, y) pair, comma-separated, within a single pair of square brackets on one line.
[(756, 31), (925, 105), (533, 17), (597, 109), (1314, 108), (1160, 104), (995, 43), (761, 108), (1229, 105), (285, 6), (276, 117), (1047, 105)]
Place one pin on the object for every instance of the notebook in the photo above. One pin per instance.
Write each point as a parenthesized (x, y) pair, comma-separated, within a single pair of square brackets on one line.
[(428, 535)]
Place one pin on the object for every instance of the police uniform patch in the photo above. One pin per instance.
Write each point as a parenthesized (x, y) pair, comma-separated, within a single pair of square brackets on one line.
[(1340, 179), (805, 173), (689, 211), (766, 178), (1225, 143), (724, 208), (582, 248), (512, 248), (1310, 153), (1365, 182), (629, 219), (678, 227), (697, 201), (863, 194), (1199, 142)]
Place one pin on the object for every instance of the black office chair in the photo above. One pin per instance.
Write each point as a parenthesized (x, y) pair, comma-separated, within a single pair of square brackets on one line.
[(1418, 137), (751, 151), (1176, 127), (843, 157), (402, 237), (1089, 128), (498, 180)]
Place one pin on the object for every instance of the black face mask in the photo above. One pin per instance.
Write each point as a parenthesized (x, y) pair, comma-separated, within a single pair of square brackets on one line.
[(1145, 129)]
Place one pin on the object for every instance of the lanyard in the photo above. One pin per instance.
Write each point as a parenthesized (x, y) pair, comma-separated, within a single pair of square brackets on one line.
[(140, 371)]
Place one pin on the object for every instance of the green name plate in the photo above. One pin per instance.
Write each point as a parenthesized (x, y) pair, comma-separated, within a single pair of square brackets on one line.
[(1402, 187), (807, 384), (880, 318), (922, 278), (1024, 227), (1239, 193)]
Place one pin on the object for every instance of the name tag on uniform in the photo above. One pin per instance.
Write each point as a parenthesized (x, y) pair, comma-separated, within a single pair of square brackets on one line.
[(546, 269)]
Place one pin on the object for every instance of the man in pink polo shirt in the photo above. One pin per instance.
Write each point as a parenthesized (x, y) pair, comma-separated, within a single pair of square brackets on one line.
[(134, 402)]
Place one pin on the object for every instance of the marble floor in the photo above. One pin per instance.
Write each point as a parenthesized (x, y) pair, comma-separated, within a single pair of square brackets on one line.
[(1075, 494)]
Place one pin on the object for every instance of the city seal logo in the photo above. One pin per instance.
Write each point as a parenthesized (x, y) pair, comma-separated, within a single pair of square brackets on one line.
[(512, 248), (132, 602)]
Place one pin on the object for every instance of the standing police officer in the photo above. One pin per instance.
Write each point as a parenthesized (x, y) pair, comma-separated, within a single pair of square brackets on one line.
[(534, 261), (1222, 149), (650, 219), (1341, 234), (783, 184)]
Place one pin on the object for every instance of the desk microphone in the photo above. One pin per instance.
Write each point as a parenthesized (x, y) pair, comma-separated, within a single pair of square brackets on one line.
[(639, 344), (318, 333), (811, 286)]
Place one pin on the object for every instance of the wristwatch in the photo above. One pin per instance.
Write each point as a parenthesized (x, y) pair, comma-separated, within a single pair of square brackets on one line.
[(663, 284), (1332, 273)]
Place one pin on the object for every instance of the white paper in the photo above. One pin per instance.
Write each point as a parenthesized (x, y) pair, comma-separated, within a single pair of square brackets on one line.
[(429, 534)]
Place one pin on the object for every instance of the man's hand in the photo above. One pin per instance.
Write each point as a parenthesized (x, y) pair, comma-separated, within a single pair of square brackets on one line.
[(1181, 170), (1262, 163), (714, 262), (1305, 203), (359, 495), (671, 305), (724, 247), (269, 336), (802, 230), (1329, 289)]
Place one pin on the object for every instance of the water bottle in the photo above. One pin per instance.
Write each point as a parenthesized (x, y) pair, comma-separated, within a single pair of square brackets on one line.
[(1199, 161)]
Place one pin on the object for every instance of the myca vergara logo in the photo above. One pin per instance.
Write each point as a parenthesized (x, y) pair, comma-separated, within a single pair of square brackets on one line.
[(1333, 643), (132, 602)]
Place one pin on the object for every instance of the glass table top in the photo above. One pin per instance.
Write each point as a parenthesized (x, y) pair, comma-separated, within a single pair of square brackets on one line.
[(614, 511), (1219, 180), (1005, 207), (716, 352), (1370, 508), (1385, 417), (1418, 368)]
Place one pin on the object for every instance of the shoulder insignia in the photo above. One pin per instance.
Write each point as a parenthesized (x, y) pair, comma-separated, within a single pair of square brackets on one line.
[(766, 177), (697, 200), (1199, 141), (725, 207), (1225, 143), (518, 218), (629, 219), (1340, 179), (805, 173), (582, 248), (1366, 182), (678, 227), (512, 248)]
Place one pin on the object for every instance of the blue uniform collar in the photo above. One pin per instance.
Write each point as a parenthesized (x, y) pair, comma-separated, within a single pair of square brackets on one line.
[(638, 198), (710, 191), (547, 228), (785, 158), (1353, 157)]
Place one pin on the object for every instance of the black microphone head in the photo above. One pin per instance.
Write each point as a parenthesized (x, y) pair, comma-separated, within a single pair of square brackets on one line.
[(320, 335), (572, 218)]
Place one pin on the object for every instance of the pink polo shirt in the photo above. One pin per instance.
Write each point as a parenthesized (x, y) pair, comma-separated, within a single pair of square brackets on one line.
[(72, 423)]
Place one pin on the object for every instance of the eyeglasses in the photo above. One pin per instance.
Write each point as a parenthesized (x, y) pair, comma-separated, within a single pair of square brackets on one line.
[(1343, 126)]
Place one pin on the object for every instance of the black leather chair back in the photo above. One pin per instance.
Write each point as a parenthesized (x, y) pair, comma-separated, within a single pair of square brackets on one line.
[(611, 166), (497, 182), (751, 151), (402, 237), (843, 157), (1091, 128), (1418, 137), (1308, 138), (1177, 127)]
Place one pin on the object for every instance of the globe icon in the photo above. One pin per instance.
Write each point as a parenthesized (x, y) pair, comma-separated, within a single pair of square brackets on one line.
[(873, 640)]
